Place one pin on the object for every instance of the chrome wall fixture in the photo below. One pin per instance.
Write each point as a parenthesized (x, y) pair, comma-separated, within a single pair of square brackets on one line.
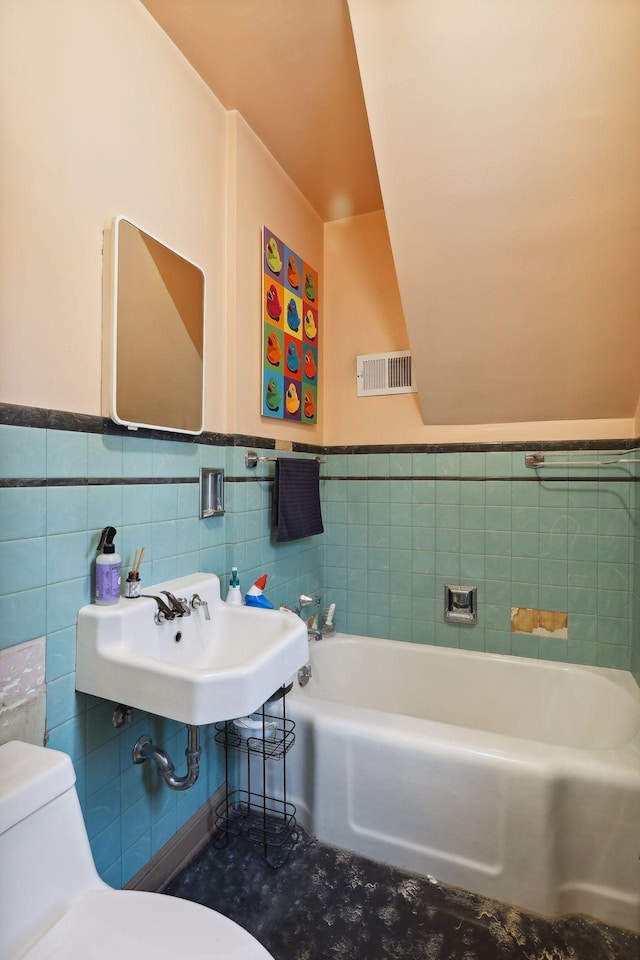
[(460, 604), (251, 459), (211, 492), (608, 458)]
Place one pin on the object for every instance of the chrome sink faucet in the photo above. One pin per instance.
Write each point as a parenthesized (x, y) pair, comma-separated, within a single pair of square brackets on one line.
[(164, 612), (179, 605)]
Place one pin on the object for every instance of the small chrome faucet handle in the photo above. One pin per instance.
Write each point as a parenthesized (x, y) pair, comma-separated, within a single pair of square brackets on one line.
[(196, 602), (163, 612), (179, 604)]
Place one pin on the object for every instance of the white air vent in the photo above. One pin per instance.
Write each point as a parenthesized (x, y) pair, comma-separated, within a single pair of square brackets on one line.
[(380, 374)]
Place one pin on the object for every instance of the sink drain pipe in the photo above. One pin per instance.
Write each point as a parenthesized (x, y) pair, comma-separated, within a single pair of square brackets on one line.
[(145, 750)]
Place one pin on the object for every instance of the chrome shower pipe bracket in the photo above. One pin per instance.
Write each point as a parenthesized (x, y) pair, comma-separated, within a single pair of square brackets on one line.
[(144, 749)]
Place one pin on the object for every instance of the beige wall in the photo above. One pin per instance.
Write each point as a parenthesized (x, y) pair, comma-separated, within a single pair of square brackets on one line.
[(507, 140), (102, 115), (364, 314), (99, 115)]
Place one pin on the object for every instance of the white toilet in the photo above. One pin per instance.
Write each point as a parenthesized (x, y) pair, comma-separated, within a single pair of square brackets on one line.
[(54, 904)]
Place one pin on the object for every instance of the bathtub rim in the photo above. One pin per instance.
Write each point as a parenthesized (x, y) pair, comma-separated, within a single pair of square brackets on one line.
[(623, 678), (550, 757)]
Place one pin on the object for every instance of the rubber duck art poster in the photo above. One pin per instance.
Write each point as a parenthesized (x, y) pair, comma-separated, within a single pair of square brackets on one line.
[(290, 333)]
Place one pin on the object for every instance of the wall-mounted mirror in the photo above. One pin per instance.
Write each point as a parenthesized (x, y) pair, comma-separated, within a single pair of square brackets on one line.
[(153, 333)]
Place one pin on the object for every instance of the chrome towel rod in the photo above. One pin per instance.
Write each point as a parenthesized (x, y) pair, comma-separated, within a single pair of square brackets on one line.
[(251, 459), (614, 458)]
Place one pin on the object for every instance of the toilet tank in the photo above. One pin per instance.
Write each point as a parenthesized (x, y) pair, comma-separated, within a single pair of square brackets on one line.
[(45, 857)]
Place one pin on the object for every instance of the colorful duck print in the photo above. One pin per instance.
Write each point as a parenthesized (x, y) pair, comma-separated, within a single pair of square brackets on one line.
[(293, 358), (310, 326), (273, 350), (273, 256), (293, 277), (274, 307), (273, 395), (309, 287), (309, 365), (292, 402), (293, 318), (309, 405)]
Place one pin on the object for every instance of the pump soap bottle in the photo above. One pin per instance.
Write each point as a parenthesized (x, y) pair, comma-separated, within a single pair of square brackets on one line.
[(234, 594), (108, 569)]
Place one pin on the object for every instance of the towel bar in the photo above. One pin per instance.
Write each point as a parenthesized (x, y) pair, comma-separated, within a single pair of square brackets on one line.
[(251, 459), (613, 458)]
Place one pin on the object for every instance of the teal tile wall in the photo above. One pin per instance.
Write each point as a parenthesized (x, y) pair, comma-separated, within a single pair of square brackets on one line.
[(292, 568), (48, 539), (400, 526)]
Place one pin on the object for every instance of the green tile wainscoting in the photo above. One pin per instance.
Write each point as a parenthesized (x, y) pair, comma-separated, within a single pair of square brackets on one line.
[(397, 527), (58, 489)]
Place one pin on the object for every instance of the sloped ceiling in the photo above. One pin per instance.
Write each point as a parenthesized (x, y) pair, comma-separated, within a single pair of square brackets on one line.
[(290, 68), (506, 136), (507, 139)]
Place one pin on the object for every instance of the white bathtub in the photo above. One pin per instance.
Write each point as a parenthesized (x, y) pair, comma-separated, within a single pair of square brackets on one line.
[(515, 779)]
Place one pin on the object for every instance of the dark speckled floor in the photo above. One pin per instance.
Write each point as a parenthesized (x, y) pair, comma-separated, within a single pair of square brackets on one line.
[(325, 904)]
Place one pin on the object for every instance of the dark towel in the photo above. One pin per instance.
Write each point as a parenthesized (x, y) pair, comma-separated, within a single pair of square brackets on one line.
[(296, 499)]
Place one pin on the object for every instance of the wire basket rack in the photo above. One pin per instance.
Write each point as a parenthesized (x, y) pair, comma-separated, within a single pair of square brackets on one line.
[(272, 745), (249, 811)]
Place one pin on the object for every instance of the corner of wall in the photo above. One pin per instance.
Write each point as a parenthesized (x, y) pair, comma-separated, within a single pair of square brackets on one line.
[(260, 192), (231, 239)]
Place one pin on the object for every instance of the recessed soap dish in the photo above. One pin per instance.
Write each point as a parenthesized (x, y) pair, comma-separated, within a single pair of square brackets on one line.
[(460, 604), (211, 492)]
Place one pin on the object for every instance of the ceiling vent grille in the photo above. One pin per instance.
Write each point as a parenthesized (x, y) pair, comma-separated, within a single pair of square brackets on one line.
[(381, 374)]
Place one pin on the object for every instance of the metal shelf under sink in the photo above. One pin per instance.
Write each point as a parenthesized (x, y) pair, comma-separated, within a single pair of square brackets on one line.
[(251, 813)]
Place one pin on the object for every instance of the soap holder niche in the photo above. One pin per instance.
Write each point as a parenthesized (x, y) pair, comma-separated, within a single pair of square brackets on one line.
[(211, 492), (460, 604)]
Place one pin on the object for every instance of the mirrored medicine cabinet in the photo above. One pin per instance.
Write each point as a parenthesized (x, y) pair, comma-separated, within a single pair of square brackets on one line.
[(153, 345)]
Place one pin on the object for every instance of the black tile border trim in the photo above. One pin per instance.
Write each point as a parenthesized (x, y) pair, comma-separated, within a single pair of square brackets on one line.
[(490, 447), (89, 481), (13, 414), (565, 478), (21, 416), (15, 482), (23, 482)]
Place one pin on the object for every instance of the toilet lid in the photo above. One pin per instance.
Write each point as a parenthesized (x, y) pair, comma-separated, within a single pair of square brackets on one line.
[(109, 924)]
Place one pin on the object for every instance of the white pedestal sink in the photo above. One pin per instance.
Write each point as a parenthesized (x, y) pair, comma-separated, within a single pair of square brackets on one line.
[(188, 669)]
